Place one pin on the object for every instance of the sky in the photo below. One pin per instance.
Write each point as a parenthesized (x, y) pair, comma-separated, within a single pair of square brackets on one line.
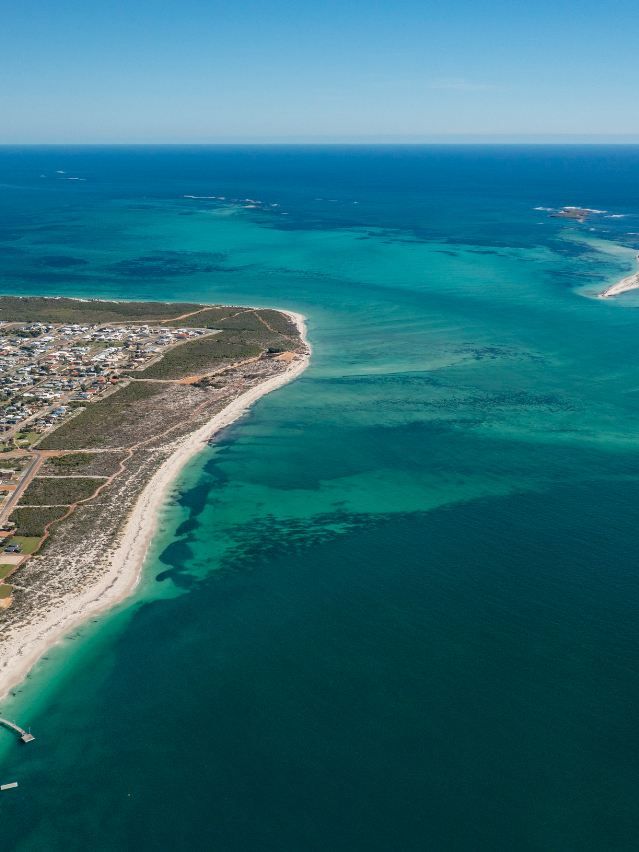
[(205, 71)]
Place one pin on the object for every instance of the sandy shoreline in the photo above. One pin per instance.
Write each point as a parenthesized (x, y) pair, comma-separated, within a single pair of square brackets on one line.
[(630, 282), (24, 649)]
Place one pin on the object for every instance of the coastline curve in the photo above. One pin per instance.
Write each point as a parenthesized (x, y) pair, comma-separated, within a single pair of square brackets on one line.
[(27, 646)]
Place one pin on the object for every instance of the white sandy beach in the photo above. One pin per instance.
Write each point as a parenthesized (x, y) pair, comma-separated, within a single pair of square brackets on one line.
[(29, 643), (630, 282)]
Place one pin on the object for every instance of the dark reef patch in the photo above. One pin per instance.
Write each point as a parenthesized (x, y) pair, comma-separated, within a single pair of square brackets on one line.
[(270, 538), (168, 264), (61, 261)]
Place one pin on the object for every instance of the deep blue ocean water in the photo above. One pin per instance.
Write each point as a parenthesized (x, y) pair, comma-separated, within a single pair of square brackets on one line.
[(396, 606)]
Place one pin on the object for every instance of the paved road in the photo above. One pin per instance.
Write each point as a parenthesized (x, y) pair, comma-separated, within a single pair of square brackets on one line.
[(29, 473)]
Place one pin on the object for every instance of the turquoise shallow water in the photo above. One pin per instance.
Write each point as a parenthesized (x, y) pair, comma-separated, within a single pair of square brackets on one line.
[(395, 607)]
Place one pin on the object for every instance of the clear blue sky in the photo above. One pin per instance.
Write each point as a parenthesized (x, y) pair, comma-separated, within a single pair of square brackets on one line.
[(266, 70)]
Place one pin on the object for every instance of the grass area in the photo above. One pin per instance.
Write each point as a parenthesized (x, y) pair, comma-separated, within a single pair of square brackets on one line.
[(91, 428), (36, 309), (5, 570), (31, 522), (29, 544), (52, 492), (202, 355), (5, 591), (25, 439)]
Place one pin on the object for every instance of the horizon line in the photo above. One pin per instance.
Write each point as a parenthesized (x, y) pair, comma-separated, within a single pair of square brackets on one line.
[(558, 140)]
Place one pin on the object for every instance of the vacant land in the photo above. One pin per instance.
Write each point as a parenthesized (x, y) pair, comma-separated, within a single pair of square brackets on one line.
[(58, 491), (33, 309), (208, 318), (83, 464), (201, 356), (70, 463), (32, 522), (106, 423)]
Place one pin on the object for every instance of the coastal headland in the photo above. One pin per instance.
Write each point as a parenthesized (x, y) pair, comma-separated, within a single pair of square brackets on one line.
[(101, 405), (630, 282)]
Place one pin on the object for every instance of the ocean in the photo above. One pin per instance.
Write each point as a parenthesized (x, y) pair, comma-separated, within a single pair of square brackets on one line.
[(396, 606)]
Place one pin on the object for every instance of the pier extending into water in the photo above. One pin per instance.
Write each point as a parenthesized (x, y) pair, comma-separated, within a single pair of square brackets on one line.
[(25, 736)]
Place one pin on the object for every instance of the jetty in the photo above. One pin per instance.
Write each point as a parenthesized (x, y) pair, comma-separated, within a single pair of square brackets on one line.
[(25, 736)]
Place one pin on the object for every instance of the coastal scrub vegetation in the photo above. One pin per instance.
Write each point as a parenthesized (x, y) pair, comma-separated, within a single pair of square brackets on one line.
[(280, 323), (59, 491), (36, 309), (68, 463), (32, 521), (208, 318), (86, 464), (201, 356), (103, 421)]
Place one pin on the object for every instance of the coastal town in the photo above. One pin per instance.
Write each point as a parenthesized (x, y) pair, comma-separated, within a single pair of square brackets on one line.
[(47, 371), (50, 372), (91, 410)]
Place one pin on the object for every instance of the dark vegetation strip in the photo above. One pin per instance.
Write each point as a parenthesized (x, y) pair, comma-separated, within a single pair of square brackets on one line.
[(280, 322), (36, 309), (88, 464), (31, 522), (54, 492), (204, 319)]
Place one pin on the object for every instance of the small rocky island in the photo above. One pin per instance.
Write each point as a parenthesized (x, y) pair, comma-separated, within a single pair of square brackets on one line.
[(579, 214)]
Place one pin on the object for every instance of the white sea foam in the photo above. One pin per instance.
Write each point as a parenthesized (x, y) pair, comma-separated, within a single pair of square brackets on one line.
[(585, 209)]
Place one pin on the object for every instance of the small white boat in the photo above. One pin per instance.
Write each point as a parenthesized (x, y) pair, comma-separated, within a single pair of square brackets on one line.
[(9, 786)]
